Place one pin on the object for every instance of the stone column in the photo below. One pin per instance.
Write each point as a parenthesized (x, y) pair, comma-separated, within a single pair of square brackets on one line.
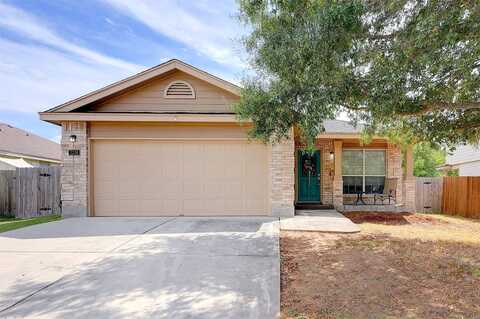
[(338, 179), (409, 181), (74, 180), (282, 175), (394, 170)]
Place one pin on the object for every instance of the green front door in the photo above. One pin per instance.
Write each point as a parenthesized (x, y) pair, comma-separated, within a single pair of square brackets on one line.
[(308, 176)]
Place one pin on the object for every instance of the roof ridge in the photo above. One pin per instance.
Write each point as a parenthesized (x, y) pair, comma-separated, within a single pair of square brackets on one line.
[(140, 74)]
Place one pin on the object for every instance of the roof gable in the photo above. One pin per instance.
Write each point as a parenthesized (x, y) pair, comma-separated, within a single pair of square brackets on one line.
[(151, 97), (143, 77), (17, 142)]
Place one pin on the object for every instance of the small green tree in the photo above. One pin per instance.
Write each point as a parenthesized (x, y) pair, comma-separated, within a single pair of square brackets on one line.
[(408, 69), (427, 159)]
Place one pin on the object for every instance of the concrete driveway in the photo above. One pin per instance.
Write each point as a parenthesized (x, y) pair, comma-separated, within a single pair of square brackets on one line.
[(141, 268)]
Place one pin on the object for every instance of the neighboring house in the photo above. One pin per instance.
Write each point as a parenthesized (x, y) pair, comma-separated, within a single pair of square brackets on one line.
[(465, 159), (19, 148), (166, 142)]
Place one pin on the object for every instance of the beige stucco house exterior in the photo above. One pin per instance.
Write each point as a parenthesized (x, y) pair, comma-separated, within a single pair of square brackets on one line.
[(166, 142)]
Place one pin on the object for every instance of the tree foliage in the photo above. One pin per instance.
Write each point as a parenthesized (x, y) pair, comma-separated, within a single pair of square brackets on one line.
[(427, 159), (406, 68)]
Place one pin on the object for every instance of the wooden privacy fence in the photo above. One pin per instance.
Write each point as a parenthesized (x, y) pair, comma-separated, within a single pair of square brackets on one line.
[(30, 192), (461, 196), (429, 194)]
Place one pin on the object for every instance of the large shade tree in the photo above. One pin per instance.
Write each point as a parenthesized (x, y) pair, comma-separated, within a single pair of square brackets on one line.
[(408, 69)]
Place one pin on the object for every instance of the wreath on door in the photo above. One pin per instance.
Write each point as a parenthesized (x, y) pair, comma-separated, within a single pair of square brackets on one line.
[(308, 166)]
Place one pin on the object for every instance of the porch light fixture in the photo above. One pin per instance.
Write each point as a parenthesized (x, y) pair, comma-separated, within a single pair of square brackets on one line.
[(73, 138), (332, 155)]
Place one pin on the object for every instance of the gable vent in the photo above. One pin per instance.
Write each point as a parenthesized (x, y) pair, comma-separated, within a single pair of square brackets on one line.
[(179, 90)]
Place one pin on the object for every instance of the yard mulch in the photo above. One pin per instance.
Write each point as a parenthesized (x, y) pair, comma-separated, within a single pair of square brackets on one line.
[(380, 274), (393, 219)]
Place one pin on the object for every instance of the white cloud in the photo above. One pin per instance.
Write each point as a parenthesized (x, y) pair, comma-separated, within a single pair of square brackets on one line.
[(205, 26), (35, 78), (50, 70), (27, 25)]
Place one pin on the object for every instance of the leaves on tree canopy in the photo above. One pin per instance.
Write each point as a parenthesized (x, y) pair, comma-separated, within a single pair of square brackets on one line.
[(407, 69)]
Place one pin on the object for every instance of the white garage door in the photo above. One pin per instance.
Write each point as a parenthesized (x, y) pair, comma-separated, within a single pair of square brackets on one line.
[(158, 178)]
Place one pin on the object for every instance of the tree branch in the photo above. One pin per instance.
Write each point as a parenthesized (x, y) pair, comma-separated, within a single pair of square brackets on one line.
[(431, 106), (353, 108)]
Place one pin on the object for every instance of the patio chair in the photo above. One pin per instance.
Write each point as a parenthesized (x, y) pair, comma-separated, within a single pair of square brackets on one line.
[(389, 192)]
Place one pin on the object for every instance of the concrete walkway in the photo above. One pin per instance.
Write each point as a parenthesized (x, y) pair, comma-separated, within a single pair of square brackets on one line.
[(142, 268), (329, 221)]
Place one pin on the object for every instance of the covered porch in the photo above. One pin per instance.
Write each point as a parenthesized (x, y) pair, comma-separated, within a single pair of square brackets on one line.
[(347, 175)]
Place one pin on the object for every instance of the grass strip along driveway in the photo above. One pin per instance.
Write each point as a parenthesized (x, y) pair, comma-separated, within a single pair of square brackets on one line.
[(398, 266), (10, 223)]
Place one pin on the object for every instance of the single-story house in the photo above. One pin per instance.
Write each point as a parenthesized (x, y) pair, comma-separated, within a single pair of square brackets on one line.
[(19, 148), (166, 142), (465, 159)]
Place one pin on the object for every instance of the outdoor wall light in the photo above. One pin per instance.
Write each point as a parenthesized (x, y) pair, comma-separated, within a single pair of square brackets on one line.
[(332, 155), (73, 138)]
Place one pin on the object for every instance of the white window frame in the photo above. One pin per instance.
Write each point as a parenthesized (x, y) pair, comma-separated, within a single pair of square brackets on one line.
[(363, 163)]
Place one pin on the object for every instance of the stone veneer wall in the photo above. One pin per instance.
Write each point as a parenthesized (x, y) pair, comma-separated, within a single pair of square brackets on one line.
[(332, 190), (282, 170), (338, 194), (409, 194), (74, 180), (326, 169), (394, 169)]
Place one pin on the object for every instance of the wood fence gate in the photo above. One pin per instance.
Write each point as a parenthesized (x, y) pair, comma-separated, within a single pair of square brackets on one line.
[(30, 192), (429, 194)]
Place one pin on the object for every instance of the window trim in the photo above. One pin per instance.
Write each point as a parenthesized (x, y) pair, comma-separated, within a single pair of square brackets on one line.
[(363, 164)]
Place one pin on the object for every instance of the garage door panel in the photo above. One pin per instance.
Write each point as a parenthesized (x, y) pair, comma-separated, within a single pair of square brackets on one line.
[(196, 206), (128, 190), (130, 171), (171, 162), (171, 190), (171, 206), (255, 190), (159, 207), (149, 190), (215, 169), (252, 204), (151, 206), (193, 190), (155, 178), (214, 190), (106, 169), (105, 190), (128, 207), (107, 207), (233, 205), (233, 190), (216, 206)]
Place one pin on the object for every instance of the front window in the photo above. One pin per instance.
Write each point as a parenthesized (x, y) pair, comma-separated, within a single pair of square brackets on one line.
[(363, 171)]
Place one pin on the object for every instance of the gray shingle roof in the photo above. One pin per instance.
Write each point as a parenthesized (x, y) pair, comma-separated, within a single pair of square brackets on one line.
[(338, 126), (19, 142)]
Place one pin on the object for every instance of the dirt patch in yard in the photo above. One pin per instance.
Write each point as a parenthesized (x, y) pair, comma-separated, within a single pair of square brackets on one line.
[(377, 276), (392, 218)]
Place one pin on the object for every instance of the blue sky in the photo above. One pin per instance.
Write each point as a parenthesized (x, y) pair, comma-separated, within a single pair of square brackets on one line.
[(55, 50)]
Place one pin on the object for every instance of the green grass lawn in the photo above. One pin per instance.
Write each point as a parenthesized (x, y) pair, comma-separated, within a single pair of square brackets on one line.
[(9, 223)]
